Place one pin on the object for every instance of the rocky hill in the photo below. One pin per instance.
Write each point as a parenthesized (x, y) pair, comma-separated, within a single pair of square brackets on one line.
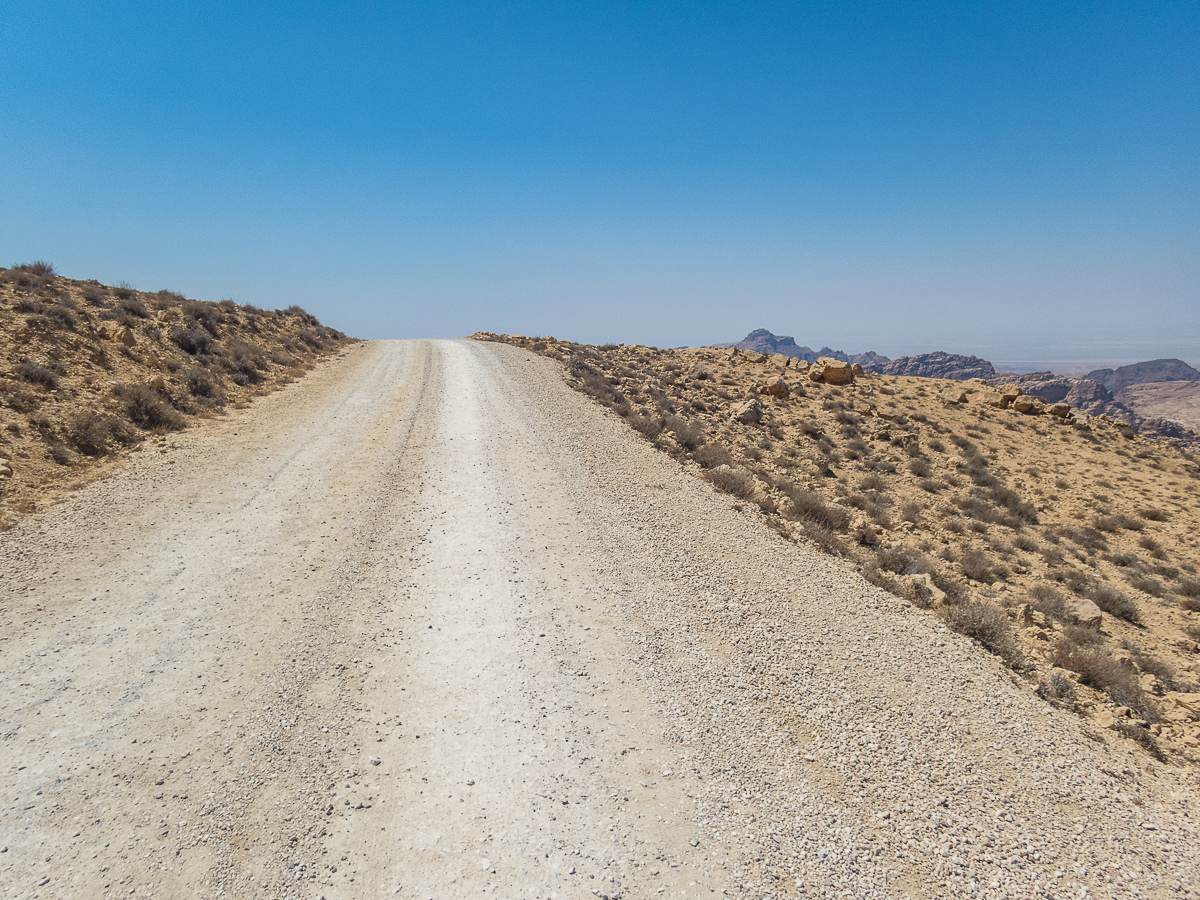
[(89, 372), (1150, 371), (1081, 393), (940, 364), (1063, 542), (762, 341)]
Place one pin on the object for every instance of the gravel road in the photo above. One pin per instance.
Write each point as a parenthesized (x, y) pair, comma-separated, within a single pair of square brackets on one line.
[(430, 624)]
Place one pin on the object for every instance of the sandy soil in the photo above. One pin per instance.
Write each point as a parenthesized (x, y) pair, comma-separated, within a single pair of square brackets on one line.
[(430, 624)]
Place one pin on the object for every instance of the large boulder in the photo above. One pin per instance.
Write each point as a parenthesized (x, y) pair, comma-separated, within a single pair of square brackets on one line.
[(832, 371), (748, 413), (1084, 612), (1031, 406), (775, 387)]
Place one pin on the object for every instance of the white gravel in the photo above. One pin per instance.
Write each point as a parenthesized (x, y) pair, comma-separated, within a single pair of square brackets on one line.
[(430, 624)]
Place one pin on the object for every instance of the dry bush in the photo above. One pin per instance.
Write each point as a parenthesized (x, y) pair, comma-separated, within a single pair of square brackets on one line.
[(1115, 603), (1147, 585), (90, 431), (146, 408), (689, 435), (191, 338), (1047, 600), (920, 467), (1057, 687), (810, 508), (134, 306), (36, 373), (1101, 671), (711, 455), (199, 384), (988, 625), (244, 359), (649, 426), (1143, 736), (976, 566), (1152, 514), (1117, 522), (732, 481)]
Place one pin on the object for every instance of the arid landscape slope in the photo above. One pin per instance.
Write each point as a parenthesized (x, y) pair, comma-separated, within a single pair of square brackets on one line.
[(430, 623), (89, 372), (1061, 541)]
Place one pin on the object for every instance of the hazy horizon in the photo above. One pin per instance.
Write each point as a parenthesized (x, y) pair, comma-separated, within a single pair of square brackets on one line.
[(1016, 182)]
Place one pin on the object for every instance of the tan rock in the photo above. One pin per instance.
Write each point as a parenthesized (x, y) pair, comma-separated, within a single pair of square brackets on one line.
[(157, 383), (1062, 410), (781, 360), (5, 469), (955, 395), (857, 369), (801, 365), (1031, 406), (124, 335), (1084, 612), (750, 412), (836, 371), (994, 399), (816, 372), (752, 356), (775, 387), (1009, 392)]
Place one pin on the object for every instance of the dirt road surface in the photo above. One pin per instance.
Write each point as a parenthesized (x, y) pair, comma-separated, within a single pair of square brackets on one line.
[(429, 624)]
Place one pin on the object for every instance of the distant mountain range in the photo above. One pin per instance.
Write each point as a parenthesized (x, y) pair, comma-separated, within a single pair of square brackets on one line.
[(1119, 393)]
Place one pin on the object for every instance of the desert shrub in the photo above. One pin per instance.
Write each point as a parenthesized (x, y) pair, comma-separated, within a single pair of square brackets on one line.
[(1152, 514), (1057, 687), (205, 314), (731, 481), (911, 511), (58, 315), (1115, 603), (690, 435), (199, 384), (932, 485), (1189, 588), (38, 267), (1152, 665), (95, 295), (1025, 542), (124, 290), (244, 359), (1153, 547), (1147, 585), (902, 560), (28, 305), (976, 566), (579, 368), (1116, 522), (241, 379), (134, 306), (1077, 580), (59, 452), (711, 455), (147, 409), (1047, 599), (649, 426), (191, 338), (1101, 671), (36, 373), (1142, 735), (872, 482), (988, 625), (1087, 538), (919, 467), (1192, 631), (90, 431), (812, 509)]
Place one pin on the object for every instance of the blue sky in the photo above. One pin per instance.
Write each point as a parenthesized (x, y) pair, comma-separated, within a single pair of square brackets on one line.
[(1015, 180)]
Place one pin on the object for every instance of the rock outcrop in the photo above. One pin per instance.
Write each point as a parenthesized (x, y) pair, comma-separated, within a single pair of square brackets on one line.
[(941, 365), (762, 341), (1150, 371)]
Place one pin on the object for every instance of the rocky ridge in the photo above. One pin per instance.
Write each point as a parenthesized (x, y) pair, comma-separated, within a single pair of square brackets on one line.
[(1062, 541), (89, 372)]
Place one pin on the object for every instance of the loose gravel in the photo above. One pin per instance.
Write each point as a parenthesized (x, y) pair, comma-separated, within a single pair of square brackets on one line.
[(429, 623)]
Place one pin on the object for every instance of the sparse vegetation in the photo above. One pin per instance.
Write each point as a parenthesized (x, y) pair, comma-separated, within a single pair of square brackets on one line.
[(967, 511)]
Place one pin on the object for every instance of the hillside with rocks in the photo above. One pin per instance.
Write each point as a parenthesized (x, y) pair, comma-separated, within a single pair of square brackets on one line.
[(1062, 541), (89, 372)]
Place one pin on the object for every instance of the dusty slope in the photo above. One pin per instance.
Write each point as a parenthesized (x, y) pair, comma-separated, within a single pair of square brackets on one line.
[(930, 490), (579, 669), (89, 371)]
